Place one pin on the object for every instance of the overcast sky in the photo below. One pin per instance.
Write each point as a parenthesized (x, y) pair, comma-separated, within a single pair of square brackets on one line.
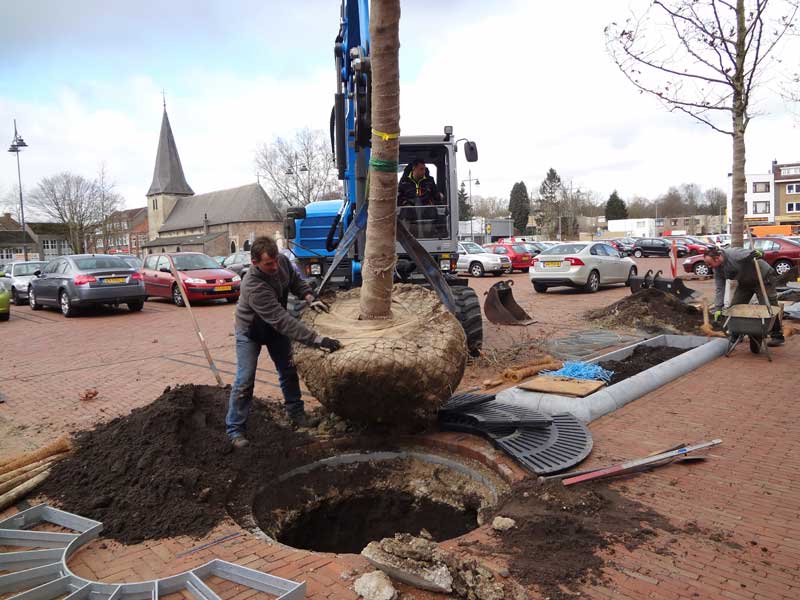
[(530, 82)]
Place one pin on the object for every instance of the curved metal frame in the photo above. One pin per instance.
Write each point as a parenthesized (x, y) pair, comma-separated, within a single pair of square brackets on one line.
[(45, 575)]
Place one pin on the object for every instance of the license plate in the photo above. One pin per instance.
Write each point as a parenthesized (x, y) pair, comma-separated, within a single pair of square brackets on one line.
[(526, 258), (223, 288), (114, 280), (552, 263)]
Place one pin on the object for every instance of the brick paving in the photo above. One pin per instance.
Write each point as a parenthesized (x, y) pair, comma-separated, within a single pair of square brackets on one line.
[(744, 501)]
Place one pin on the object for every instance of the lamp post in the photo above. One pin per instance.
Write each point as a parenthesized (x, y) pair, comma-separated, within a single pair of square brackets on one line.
[(17, 144), (294, 169), (472, 217)]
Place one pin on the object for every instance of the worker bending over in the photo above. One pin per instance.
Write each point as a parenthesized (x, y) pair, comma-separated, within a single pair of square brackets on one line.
[(738, 264), (262, 320)]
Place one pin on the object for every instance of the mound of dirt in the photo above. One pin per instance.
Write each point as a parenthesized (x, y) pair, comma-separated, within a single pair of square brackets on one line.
[(643, 358), (168, 468), (651, 310), (559, 531)]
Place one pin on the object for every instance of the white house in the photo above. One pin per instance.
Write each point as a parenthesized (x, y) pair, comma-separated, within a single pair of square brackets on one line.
[(759, 198), (644, 228)]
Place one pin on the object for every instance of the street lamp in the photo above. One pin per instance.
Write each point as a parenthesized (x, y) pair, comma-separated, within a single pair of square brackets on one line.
[(17, 144), (477, 182)]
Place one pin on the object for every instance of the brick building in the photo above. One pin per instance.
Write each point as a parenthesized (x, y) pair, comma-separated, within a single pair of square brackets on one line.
[(217, 223), (119, 231), (42, 240)]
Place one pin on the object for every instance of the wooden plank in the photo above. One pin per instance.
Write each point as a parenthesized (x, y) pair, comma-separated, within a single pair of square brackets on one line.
[(564, 386)]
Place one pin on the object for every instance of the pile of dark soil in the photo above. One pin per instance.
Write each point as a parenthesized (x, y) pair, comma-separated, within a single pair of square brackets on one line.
[(643, 358), (168, 468), (559, 531), (651, 310)]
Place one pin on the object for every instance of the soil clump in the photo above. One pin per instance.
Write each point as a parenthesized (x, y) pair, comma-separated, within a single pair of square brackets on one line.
[(651, 310), (643, 358), (168, 469), (559, 532)]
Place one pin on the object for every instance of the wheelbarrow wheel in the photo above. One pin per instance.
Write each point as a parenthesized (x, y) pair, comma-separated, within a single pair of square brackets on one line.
[(755, 345)]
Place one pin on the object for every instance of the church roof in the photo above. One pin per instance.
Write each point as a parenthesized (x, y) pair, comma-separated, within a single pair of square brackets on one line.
[(168, 175), (235, 205), (183, 240)]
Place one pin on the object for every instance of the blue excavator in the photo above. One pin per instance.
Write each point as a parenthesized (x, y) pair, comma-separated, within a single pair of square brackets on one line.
[(327, 237)]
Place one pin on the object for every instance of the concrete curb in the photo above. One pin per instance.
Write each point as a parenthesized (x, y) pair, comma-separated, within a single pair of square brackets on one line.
[(609, 399)]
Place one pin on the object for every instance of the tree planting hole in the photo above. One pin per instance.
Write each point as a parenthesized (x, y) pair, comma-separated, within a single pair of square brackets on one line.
[(347, 525)]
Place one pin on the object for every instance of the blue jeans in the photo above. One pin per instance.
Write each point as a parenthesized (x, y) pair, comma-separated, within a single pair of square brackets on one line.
[(247, 352)]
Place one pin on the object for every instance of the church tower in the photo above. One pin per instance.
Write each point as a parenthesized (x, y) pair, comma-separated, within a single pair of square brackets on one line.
[(169, 183)]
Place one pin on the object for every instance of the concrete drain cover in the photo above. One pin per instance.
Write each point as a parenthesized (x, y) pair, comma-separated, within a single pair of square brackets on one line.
[(583, 344), (560, 446)]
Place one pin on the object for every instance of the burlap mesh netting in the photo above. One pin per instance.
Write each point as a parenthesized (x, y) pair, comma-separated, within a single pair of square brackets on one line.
[(388, 371)]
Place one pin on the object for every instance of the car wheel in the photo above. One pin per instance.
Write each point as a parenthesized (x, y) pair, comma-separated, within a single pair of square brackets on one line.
[(592, 283), (539, 287), (632, 273), (14, 296), (782, 267), (136, 306), (638, 253), (476, 269), (66, 305), (32, 300), (526, 270), (232, 299), (5, 316), (177, 298), (701, 269)]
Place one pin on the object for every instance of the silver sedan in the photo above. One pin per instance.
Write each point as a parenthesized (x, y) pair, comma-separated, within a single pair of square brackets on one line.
[(586, 265), (70, 282)]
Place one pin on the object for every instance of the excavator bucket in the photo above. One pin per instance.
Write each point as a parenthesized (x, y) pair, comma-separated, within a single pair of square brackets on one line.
[(638, 282), (676, 287), (501, 308)]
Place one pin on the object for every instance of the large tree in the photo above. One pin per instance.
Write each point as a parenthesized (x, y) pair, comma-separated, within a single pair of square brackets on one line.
[(615, 207), (705, 58), (464, 208), (519, 205), (549, 207), (299, 170)]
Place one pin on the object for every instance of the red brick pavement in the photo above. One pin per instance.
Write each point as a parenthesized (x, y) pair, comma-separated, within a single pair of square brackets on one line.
[(744, 501)]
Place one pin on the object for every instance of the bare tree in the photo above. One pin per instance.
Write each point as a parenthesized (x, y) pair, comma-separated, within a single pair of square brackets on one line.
[(298, 171), (705, 58), (108, 201), (9, 202), (71, 200), (489, 207)]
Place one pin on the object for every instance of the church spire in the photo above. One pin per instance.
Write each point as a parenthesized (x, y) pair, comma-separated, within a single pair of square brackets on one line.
[(168, 175)]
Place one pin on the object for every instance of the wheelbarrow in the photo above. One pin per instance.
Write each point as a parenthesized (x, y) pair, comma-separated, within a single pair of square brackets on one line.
[(752, 320), (501, 308), (676, 287)]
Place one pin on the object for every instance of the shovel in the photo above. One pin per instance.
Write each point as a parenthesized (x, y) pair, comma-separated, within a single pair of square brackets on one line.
[(501, 308)]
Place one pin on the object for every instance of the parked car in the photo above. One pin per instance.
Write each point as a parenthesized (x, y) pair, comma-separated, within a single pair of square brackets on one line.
[(624, 245), (477, 261), (72, 282), (693, 244), (517, 253), (18, 275), (237, 262), (781, 253), (586, 265), (535, 248), (201, 276), (5, 299), (656, 247), (219, 259)]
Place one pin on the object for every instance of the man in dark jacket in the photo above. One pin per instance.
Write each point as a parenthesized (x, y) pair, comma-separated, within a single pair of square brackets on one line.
[(262, 319), (739, 264), (417, 197)]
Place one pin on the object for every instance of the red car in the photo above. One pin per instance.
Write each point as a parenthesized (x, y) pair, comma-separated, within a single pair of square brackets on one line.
[(201, 276), (781, 253), (517, 253), (695, 245)]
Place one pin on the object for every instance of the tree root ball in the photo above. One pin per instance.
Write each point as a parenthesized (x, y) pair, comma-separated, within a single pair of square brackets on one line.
[(399, 370)]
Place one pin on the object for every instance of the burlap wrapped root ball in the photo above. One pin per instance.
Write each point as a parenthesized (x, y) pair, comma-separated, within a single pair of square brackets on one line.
[(399, 370)]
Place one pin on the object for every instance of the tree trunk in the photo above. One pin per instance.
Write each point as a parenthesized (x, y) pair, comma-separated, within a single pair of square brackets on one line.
[(739, 110), (379, 253)]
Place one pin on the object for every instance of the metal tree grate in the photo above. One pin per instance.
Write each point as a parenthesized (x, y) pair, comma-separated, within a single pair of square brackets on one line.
[(44, 574), (500, 413), (459, 402)]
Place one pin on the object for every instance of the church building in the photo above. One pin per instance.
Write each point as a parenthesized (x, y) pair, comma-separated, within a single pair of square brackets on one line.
[(217, 223)]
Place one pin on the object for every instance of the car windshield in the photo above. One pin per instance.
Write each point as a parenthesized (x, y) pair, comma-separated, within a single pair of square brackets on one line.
[(28, 268), (100, 262), (473, 248), (133, 261), (519, 248), (191, 262), (565, 249)]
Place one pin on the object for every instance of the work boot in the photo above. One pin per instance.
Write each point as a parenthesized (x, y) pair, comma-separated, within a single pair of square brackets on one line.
[(239, 442), (776, 340), (303, 420)]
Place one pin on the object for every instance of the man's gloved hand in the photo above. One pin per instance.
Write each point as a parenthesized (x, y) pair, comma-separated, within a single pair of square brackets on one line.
[(319, 306), (717, 315), (329, 344), (756, 254)]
